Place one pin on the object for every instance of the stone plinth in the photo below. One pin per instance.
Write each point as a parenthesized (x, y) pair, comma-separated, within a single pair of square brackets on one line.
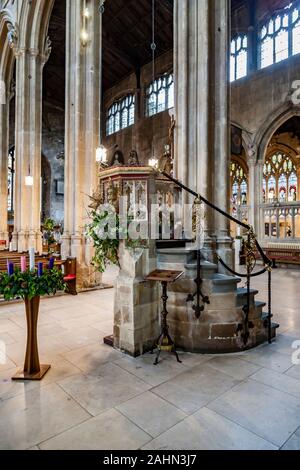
[(137, 307)]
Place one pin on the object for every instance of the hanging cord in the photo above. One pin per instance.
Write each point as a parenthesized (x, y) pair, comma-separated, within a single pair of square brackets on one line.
[(153, 43), (153, 51), (270, 305), (101, 11)]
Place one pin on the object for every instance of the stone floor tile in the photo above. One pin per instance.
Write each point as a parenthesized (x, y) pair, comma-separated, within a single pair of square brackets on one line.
[(112, 387), (195, 388), (281, 382), (267, 412), (143, 368), (233, 366), (151, 413), (110, 430), (207, 430), (90, 358), (37, 415)]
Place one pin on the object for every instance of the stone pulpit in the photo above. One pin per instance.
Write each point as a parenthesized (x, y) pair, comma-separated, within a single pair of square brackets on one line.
[(136, 308)]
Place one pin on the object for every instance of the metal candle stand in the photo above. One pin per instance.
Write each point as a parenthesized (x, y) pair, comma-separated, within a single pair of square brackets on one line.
[(165, 342)]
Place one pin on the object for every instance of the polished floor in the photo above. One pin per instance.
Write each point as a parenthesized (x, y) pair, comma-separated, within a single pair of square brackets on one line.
[(97, 398)]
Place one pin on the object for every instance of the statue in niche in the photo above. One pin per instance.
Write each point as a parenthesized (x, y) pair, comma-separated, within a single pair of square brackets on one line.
[(118, 158), (133, 159), (165, 162)]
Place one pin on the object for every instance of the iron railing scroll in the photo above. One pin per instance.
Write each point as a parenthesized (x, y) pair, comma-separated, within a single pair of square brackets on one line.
[(251, 247)]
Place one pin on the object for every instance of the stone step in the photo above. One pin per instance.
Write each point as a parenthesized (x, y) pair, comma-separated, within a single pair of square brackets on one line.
[(208, 270), (241, 296), (224, 284), (257, 311)]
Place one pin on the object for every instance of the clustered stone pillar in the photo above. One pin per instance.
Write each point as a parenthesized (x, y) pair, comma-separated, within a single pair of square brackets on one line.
[(6, 67), (191, 72), (81, 133), (4, 114), (201, 58), (27, 226)]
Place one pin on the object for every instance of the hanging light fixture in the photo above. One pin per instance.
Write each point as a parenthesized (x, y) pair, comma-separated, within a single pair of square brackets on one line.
[(29, 178), (101, 151), (101, 154), (85, 17)]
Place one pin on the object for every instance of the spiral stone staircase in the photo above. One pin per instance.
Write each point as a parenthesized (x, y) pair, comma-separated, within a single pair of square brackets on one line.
[(219, 329)]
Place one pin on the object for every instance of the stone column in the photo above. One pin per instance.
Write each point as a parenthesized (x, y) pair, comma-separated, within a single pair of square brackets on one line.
[(259, 224), (220, 122), (191, 72), (4, 118), (81, 130), (28, 138), (252, 190), (201, 69)]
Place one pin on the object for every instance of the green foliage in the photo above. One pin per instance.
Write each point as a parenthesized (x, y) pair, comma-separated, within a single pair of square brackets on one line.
[(49, 225), (29, 285), (107, 247)]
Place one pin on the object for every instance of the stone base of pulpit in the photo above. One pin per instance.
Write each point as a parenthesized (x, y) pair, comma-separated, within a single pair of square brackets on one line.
[(137, 303), (218, 330)]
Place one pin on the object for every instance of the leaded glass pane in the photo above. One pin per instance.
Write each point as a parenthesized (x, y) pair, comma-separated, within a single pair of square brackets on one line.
[(120, 115), (239, 58), (296, 38), (241, 66), (267, 52), (280, 37), (282, 46), (160, 95)]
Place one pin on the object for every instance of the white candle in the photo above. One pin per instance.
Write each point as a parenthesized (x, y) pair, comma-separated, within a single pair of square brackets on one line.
[(31, 258)]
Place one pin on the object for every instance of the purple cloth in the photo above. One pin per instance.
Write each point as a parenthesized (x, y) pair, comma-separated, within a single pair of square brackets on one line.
[(10, 268), (40, 269), (51, 263)]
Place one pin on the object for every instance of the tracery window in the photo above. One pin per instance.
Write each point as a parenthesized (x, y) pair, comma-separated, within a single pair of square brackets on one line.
[(238, 58), (160, 95), (239, 184), (10, 179), (279, 38), (280, 180), (120, 115)]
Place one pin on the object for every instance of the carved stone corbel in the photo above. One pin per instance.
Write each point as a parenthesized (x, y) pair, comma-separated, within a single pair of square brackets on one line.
[(13, 36)]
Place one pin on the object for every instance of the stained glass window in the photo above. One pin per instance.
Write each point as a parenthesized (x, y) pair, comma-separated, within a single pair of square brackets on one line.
[(279, 38), (160, 95), (238, 58), (10, 179), (239, 184), (293, 187), (120, 115), (280, 178)]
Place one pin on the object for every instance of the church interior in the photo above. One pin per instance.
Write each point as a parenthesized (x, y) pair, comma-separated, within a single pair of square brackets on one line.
[(150, 225)]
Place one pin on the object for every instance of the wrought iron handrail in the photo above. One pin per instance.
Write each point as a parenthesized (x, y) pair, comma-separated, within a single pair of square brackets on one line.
[(250, 263)]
